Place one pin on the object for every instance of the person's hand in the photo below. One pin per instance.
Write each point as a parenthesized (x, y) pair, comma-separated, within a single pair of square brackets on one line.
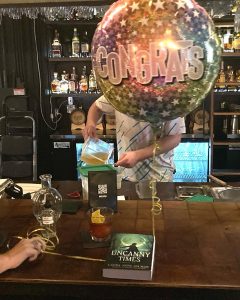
[(127, 160), (89, 131), (25, 249)]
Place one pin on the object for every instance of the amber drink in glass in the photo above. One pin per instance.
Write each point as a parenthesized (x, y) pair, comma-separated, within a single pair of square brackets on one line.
[(100, 223)]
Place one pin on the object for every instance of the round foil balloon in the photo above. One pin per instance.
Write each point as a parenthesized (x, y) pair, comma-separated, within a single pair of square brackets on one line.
[(156, 60)]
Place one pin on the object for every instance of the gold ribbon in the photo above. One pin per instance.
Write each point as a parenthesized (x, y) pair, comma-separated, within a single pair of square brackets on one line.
[(156, 201), (51, 243)]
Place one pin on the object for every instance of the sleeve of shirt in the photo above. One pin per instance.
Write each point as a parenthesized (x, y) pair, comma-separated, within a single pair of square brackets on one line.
[(104, 105), (176, 126)]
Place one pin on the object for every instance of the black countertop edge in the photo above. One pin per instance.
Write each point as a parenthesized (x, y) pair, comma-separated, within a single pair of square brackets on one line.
[(112, 136)]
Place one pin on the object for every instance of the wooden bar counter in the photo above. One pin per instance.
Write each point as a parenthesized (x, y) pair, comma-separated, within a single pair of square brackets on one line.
[(197, 254)]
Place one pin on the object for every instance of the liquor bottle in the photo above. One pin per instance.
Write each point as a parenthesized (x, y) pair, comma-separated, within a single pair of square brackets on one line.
[(230, 78), (85, 45), (223, 105), (55, 84), (92, 85), (64, 83), (220, 36), (237, 77), (230, 41), (83, 83), (234, 124), (66, 46), (56, 45), (236, 42), (226, 40), (222, 78), (75, 43), (72, 85), (47, 206)]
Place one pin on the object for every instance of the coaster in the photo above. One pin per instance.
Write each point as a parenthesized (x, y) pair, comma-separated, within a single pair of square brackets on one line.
[(89, 243)]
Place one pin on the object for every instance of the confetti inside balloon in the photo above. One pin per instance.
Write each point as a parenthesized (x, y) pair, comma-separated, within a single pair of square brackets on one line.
[(156, 60)]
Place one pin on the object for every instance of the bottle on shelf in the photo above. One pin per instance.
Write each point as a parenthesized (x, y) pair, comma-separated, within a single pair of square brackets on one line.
[(236, 42), (221, 78), (73, 83), (55, 84), (75, 43), (230, 41), (223, 105), (56, 50), (227, 39), (64, 83), (92, 85), (85, 45), (83, 83), (225, 126), (230, 78), (238, 78), (66, 46), (220, 36), (234, 124)]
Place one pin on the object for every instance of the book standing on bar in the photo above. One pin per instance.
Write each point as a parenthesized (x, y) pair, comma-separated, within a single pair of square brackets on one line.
[(131, 256)]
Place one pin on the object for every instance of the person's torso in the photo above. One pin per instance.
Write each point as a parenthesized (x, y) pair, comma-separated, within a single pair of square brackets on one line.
[(133, 135)]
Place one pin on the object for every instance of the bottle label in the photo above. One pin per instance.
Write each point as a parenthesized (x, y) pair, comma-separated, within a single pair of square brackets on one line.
[(55, 88), (83, 86), (75, 49), (72, 87), (92, 85), (47, 220), (85, 48), (56, 51)]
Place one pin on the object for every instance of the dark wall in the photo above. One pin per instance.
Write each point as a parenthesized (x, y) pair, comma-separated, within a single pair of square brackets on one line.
[(23, 64)]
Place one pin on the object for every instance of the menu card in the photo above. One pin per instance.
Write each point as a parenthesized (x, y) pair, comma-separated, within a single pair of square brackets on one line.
[(102, 189)]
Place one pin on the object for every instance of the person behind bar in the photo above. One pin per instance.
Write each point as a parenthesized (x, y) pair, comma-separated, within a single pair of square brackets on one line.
[(135, 143), (25, 249)]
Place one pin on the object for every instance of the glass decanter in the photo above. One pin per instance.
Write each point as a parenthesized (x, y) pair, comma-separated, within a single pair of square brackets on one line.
[(47, 206)]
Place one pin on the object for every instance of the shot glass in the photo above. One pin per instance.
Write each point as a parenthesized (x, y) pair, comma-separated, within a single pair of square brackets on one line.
[(100, 223)]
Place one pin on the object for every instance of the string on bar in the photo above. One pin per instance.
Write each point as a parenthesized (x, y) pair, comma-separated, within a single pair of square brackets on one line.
[(51, 243), (156, 201)]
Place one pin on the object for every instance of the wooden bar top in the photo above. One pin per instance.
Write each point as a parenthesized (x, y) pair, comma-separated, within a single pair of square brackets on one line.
[(197, 253)]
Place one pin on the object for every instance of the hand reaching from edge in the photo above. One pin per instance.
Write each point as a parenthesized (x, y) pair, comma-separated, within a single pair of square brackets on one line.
[(25, 249)]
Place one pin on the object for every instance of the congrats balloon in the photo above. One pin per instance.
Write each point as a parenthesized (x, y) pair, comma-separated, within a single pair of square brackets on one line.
[(156, 60)]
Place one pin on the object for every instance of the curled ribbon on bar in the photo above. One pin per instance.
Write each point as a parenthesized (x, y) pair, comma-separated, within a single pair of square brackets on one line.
[(49, 237), (51, 243), (156, 201)]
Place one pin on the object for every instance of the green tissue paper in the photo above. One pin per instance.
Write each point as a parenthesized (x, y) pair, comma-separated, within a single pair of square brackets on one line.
[(200, 198)]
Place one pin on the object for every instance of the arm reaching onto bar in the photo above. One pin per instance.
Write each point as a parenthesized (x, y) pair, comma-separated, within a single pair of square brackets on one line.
[(25, 249)]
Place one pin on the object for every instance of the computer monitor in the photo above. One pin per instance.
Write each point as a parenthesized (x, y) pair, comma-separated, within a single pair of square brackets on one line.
[(191, 159)]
